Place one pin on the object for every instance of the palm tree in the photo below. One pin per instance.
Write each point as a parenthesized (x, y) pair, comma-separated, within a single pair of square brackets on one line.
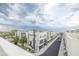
[(16, 39), (12, 33), (23, 40)]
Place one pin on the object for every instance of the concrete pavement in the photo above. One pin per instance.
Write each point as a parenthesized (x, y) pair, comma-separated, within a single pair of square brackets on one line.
[(2, 52), (9, 49)]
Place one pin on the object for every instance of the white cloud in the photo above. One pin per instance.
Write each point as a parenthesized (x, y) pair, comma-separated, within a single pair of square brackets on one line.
[(48, 15), (5, 28), (73, 20), (12, 12)]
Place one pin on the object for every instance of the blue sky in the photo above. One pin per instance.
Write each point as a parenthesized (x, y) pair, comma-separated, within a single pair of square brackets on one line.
[(43, 16)]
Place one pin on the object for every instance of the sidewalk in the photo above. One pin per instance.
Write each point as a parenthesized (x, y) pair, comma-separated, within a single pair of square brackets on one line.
[(61, 49)]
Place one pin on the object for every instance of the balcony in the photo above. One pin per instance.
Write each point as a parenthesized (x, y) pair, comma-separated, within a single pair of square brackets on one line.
[(9, 49)]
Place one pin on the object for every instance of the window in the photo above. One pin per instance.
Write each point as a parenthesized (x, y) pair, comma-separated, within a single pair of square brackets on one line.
[(30, 43), (41, 41), (40, 36), (45, 40), (40, 47), (30, 34)]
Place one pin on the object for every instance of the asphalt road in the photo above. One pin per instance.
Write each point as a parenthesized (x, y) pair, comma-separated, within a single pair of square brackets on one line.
[(53, 49)]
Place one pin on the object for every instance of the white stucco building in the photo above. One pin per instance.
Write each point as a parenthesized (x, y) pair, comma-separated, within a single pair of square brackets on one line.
[(37, 39)]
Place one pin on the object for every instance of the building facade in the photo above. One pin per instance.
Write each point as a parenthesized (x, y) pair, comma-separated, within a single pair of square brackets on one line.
[(37, 39)]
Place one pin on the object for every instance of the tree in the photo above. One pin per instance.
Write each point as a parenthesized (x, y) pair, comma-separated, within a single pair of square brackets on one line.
[(16, 39), (12, 33), (23, 40)]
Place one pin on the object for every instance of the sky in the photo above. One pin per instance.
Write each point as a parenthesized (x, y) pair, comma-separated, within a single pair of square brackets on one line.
[(39, 16)]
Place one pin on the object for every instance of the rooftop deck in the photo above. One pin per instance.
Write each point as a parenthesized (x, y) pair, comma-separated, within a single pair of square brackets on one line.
[(9, 49)]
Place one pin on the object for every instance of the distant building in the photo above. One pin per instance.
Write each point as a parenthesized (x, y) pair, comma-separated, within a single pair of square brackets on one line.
[(37, 39)]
